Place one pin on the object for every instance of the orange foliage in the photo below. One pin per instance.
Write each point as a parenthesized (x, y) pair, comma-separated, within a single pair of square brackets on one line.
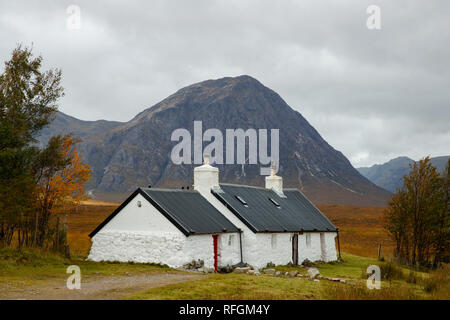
[(66, 187)]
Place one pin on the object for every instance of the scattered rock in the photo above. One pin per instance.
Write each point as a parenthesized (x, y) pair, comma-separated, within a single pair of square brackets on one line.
[(293, 273), (313, 273), (269, 271), (242, 270), (343, 281), (194, 265), (226, 269), (278, 273), (335, 279), (251, 272), (316, 280)]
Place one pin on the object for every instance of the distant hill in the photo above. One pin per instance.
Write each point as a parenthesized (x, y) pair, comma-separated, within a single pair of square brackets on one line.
[(65, 124), (124, 156), (390, 175)]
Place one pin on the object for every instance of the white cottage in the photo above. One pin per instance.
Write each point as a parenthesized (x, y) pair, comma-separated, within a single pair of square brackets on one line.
[(222, 224)]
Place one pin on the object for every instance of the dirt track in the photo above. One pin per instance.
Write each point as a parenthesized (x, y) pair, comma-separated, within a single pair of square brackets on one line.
[(94, 287)]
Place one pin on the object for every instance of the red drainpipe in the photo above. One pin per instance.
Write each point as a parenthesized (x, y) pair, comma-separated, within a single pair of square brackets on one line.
[(215, 236)]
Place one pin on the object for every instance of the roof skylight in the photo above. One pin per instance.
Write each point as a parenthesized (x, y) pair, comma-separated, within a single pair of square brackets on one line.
[(242, 201), (275, 203)]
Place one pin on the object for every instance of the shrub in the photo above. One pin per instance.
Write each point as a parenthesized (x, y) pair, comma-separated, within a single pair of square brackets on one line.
[(390, 271), (412, 277), (438, 283)]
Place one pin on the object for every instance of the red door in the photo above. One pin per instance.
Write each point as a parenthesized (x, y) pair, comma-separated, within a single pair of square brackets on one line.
[(215, 243)]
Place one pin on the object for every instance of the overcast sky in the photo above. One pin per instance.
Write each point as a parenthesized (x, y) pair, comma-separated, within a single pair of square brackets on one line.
[(372, 94)]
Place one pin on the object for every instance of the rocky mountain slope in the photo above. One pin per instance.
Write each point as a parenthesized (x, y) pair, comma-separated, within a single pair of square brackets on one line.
[(390, 175), (137, 153), (64, 124)]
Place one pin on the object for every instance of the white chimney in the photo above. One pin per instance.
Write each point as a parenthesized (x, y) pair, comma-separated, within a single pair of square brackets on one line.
[(274, 182), (206, 176)]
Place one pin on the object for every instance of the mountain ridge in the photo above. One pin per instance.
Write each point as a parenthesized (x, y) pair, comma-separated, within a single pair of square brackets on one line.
[(137, 152), (389, 175)]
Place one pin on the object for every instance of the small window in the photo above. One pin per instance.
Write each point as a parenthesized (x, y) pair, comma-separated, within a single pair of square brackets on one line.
[(308, 240), (275, 203), (273, 241), (230, 240), (139, 204), (242, 201)]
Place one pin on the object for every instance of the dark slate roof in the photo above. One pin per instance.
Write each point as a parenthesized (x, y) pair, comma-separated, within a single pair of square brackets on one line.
[(187, 210), (295, 212)]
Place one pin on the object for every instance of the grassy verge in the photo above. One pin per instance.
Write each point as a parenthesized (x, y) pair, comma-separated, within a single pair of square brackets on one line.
[(243, 287), (31, 265)]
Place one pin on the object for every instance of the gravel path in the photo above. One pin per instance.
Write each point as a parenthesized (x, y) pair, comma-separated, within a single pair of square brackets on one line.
[(94, 287)]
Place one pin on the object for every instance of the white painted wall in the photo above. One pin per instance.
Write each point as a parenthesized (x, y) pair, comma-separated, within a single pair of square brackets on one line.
[(140, 219), (143, 234), (229, 251)]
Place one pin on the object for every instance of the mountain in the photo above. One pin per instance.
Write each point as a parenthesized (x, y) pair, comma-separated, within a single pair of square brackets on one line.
[(390, 175), (137, 153), (65, 124)]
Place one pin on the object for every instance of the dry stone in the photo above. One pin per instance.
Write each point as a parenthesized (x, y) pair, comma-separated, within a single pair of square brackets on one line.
[(242, 270), (313, 273), (269, 271)]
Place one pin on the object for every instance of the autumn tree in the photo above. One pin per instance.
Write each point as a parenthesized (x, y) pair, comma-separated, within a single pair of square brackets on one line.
[(416, 216), (61, 176), (441, 239)]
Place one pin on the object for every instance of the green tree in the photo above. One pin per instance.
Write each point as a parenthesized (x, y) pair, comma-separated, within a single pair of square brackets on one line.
[(28, 102)]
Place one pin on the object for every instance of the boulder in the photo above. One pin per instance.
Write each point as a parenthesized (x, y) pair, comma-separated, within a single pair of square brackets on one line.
[(242, 270), (278, 273), (293, 274), (313, 273), (269, 271), (251, 272), (335, 279)]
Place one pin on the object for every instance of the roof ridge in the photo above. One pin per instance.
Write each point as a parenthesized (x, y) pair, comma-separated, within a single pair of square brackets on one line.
[(242, 185), (168, 190)]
